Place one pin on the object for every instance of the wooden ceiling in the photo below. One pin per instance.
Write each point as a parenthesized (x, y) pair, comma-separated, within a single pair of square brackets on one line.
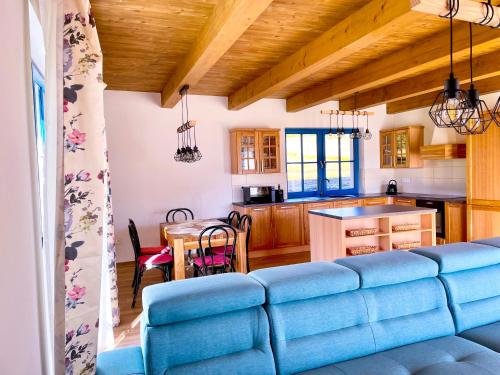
[(306, 51)]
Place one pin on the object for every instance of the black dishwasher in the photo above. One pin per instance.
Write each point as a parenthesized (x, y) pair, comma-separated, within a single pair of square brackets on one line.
[(439, 206)]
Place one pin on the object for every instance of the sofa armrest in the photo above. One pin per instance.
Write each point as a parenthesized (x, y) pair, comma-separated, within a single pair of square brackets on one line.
[(126, 361)]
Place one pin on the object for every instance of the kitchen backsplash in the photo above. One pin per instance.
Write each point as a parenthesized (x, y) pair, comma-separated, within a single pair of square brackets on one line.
[(437, 177)]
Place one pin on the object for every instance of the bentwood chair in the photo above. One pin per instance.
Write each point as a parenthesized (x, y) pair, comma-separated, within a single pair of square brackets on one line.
[(233, 218), (147, 261), (152, 250), (185, 212), (207, 261), (244, 224)]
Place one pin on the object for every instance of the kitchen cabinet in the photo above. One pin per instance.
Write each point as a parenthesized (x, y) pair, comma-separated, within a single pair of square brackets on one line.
[(443, 152), (378, 201), (483, 184), (255, 151), (404, 201), (455, 222), (288, 225), (400, 147), (306, 208), (261, 237), (348, 203)]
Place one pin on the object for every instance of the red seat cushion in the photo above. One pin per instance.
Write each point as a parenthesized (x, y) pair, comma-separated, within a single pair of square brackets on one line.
[(219, 260), (219, 250), (154, 250), (157, 259)]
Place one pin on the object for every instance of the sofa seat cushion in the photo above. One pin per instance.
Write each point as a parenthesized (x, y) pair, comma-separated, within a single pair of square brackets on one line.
[(126, 361), (449, 355), (488, 335)]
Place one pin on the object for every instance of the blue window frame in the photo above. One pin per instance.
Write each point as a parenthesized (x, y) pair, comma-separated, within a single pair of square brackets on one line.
[(321, 164)]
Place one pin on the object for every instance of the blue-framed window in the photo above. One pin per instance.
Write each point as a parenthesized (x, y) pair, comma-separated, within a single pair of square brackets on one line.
[(319, 163)]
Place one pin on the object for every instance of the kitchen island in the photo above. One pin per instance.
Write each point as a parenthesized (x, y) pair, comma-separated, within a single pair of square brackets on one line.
[(339, 232)]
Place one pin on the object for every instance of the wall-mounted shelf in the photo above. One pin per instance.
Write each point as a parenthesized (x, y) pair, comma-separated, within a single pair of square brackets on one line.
[(443, 152)]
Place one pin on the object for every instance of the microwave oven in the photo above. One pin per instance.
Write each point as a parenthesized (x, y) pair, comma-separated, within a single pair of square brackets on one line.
[(258, 194)]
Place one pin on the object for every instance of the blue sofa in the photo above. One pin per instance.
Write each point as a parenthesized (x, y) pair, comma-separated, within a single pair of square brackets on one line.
[(431, 311)]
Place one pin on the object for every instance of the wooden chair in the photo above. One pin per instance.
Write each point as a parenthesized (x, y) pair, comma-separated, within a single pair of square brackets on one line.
[(186, 212)]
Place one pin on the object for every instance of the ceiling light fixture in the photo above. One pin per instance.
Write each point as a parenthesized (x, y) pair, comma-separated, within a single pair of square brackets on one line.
[(186, 133), (448, 109), (480, 116)]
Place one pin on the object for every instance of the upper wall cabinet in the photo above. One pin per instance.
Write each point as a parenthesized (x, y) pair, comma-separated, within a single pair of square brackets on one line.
[(400, 147), (255, 151)]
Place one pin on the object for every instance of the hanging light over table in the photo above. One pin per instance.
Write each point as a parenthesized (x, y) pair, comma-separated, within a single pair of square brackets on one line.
[(448, 109), (186, 134), (368, 135), (496, 113)]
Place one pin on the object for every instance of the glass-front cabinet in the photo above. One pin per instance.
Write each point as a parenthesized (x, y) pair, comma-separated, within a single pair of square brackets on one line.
[(386, 149), (400, 147), (255, 151), (401, 150)]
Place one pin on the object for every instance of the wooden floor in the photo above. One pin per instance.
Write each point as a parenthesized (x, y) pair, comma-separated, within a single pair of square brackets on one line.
[(128, 332)]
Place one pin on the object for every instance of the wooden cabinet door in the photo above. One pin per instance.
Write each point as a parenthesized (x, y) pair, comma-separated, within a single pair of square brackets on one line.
[(404, 201), (269, 151), (261, 235), (348, 203), (288, 227), (401, 148), (248, 152), (379, 201), (386, 149), (305, 216), (483, 222), (455, 222)]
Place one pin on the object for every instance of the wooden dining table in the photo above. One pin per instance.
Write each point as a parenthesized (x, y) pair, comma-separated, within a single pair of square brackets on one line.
[(182, 236)]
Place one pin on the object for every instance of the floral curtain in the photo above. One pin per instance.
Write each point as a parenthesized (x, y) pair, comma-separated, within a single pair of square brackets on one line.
[(88, 221)]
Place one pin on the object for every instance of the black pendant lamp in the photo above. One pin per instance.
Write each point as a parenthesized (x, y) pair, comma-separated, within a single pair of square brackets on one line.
[(188, 151), (330, 131), (368, 135), (340, 130), (480, 116), (496, 113), (448, 109)]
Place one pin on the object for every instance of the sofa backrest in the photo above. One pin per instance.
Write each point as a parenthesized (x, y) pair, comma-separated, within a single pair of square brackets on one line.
[(405, 301), (471, 275), (317, 316), (209, 325)]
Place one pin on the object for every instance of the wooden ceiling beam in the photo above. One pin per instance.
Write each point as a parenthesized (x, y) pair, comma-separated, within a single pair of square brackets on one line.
[(485, 66), (484, 86), (376, 20), (468, 10), (427, 55), (228, 21)]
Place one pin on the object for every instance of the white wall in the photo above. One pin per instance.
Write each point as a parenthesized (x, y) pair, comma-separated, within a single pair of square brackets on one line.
[(19, 328), (146, 181)]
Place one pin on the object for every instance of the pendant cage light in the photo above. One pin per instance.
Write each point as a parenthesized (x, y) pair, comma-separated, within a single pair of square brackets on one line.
[(187, 148), (449, 109), (496, 113), (340, 131), (356, 133), (480, 116), (367, 135), (330, 131)]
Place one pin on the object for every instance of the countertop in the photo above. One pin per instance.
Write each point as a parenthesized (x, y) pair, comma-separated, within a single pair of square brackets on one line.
[(372, 211), (437, 197)]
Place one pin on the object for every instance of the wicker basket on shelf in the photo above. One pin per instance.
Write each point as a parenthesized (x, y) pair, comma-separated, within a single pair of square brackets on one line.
[(360, 232), (406, 245), (360, 250), (405, 227)]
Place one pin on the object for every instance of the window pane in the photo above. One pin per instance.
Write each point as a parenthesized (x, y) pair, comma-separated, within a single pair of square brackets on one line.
[(332, 174), (346, 149), (331, 148), (310, 177), (309, 147), (293, 150), (347, 172), (294, 176)]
